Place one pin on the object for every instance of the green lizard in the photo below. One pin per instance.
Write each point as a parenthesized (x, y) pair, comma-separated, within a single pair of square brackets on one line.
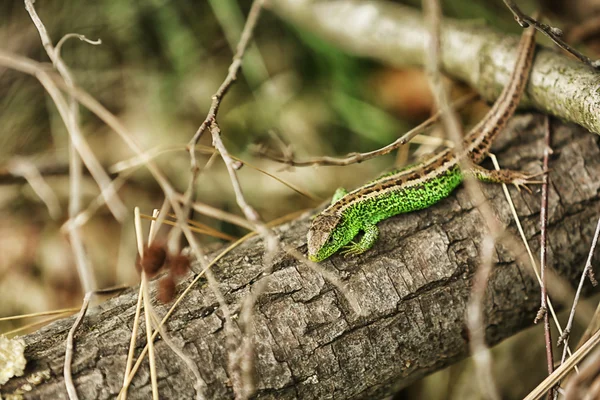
[(420, 185)]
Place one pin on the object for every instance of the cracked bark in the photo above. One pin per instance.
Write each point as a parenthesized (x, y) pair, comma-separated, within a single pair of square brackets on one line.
[(413, 284)]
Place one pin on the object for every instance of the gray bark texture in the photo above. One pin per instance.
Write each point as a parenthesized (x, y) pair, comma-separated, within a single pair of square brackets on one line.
[(413, 287), (484, 58)]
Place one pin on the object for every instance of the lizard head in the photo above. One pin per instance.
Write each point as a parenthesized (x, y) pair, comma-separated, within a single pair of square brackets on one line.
[(321, 238)]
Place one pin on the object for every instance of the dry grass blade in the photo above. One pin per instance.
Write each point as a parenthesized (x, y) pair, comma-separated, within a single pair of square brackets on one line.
[(565, 368), (40, 314), (147, 306), (43, 322), (132, 342), (532, 261), (191, 285), (197, 227)]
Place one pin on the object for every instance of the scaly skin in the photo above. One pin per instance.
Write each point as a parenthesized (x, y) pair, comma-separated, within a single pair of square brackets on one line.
[(423, 184)]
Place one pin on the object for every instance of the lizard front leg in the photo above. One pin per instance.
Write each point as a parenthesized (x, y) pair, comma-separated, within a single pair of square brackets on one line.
[(365, 243), (517, 178)]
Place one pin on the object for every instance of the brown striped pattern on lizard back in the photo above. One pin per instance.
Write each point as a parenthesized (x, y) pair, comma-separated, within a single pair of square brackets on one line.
[(477, 145), (404, 178)]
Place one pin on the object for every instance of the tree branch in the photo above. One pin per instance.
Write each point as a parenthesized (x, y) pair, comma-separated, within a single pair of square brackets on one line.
[(413, 287), (483, 58)]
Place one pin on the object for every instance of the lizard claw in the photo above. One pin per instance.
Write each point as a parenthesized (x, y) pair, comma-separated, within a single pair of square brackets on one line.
[(351, 249), (522, 180)]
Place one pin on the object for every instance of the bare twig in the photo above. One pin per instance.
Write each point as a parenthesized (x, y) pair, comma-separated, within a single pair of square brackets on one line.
[(200, 385), (511, 242), (560, 372), (552, 32), (543, 312), (564, 337), (77, 144), (45, 170), (132, 341), (246, 387), (84, 215), (353, 158), (69, 348), (45, 321), (71, 335), (234, 68), (31, 67), (241, 382), (479, 350), (74, 36), (32, 175), (147, 305), (39, 314)]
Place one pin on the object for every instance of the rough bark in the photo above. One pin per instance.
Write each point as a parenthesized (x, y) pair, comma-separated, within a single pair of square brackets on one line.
[(413, 285), (472, 52)]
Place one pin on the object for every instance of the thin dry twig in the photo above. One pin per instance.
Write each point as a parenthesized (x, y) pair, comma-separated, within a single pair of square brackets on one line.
[(40, 314), (191, 285), (33, 68), (85, 215), (211, 118), (77, 145), (553, 33), (564, 337), (200, 385), (69, 348), (543, 312), (147, 305), (482, 357), (354, 158), (242, 382), (26, 169), (479, 350), (242, 355), (560, 372), (511, 242), (132, 342), (234, 68), (68, 36), (43, 322)]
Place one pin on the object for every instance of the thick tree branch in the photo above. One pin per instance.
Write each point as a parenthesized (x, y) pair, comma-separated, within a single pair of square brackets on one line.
[(471, 52), (413, 287)]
